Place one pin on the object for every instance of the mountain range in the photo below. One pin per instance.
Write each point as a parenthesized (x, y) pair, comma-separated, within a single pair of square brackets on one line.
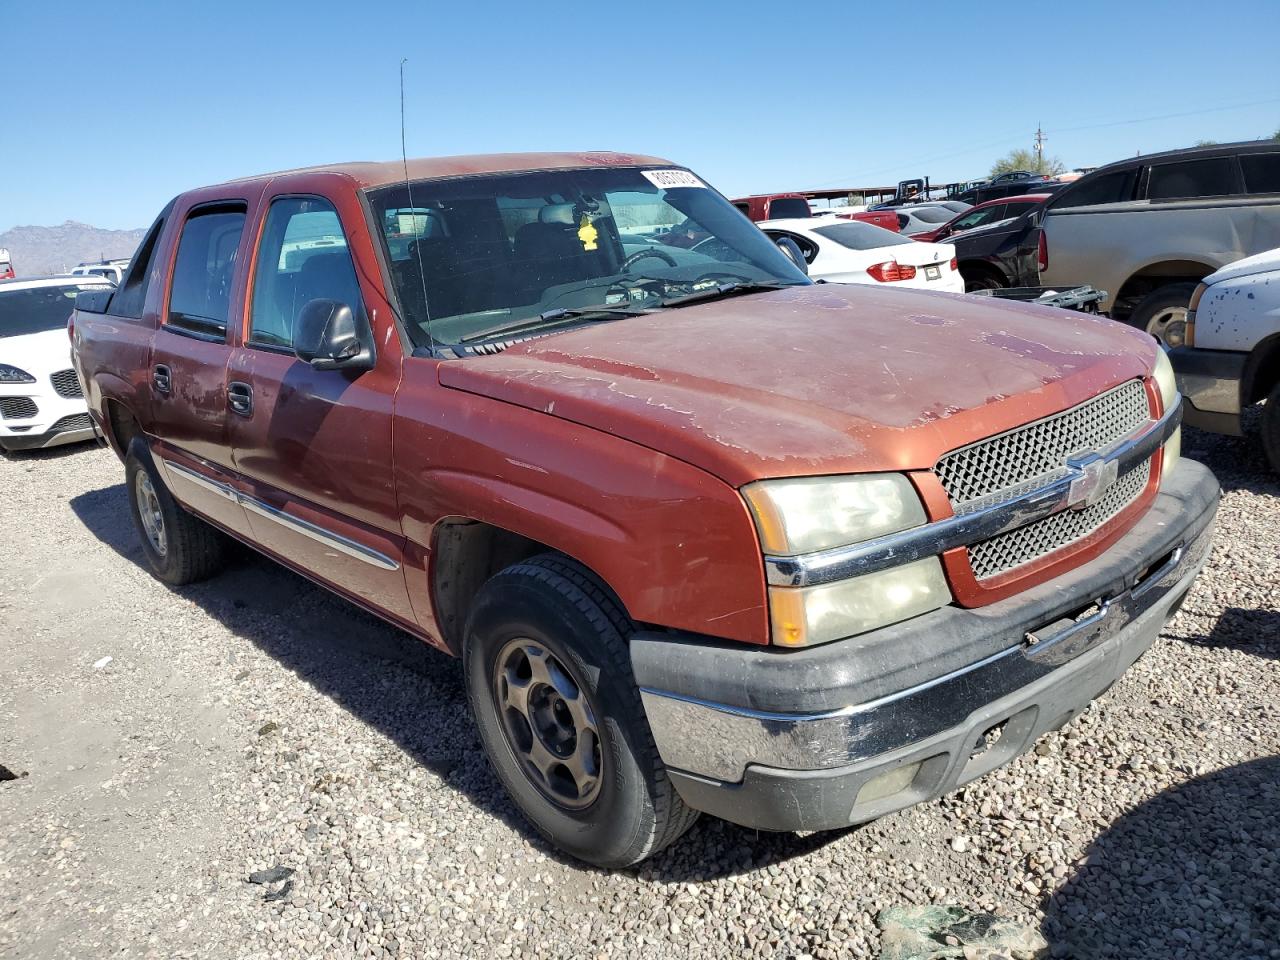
[(38, 251)]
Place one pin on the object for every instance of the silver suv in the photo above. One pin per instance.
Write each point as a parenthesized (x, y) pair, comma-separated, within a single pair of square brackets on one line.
[(1148, 229)]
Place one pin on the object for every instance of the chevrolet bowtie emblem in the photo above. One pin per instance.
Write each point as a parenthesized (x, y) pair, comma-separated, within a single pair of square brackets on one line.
[(1095, 477)]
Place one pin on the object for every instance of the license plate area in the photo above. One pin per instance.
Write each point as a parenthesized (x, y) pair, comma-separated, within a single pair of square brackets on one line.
[(932, 273)]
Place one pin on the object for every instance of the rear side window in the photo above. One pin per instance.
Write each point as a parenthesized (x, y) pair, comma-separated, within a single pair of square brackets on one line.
[(857, 235), (785, 208), (1261, 172), (130, 299), (1214, 177), (744, 207), (303, 257), (1107, 188), (808, 249), (200, 296)]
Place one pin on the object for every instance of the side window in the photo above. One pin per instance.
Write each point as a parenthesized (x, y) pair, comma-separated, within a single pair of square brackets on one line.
[(1192, 178), (745, 208), (1108, 188), (200, 295), (1261, 172), (303, 257)]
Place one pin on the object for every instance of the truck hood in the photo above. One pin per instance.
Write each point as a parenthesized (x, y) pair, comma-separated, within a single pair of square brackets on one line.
[(1265, 262), (813, 380)]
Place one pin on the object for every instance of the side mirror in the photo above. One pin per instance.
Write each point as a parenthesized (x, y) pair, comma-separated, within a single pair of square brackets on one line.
[(792, 250), (330, 336), (94, 301)]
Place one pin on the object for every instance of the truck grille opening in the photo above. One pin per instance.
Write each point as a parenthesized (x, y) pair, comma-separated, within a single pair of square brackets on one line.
[(17, 408), (1020, 460), (65, 384), (1039, 451)]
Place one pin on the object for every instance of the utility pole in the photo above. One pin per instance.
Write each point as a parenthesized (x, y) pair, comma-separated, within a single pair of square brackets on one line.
[(1039, 148)]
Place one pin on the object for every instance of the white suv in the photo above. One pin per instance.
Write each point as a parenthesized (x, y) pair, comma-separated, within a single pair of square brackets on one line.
[(41, 403), (1231, 357)]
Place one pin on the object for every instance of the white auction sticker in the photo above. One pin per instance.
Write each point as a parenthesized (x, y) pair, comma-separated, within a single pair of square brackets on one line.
[(666, 179)]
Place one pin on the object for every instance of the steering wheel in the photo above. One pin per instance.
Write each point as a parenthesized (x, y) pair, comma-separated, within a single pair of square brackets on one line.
[(720, 273), (646, 252)]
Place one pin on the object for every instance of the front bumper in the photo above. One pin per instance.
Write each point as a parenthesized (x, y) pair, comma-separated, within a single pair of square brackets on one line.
[(790, 740), (1209, 380), (57, 419)]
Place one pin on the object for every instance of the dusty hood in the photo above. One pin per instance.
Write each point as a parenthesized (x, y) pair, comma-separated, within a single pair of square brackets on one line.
[(812, 380)]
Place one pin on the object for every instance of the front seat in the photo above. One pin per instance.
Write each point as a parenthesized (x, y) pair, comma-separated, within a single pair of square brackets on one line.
[(548, 252)]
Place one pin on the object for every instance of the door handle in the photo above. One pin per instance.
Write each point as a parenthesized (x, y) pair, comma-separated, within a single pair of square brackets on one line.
[(240, 397), (161, 378)]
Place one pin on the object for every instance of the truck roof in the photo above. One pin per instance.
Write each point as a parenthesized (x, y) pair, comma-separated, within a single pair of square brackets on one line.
[(381, 173)]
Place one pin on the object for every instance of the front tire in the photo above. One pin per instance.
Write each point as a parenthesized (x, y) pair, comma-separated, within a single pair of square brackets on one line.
[(549, 680), (180, 547)]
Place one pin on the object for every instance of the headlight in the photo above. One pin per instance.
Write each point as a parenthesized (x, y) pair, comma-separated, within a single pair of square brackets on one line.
[(1165, 380), (807, 514), (804, 514), (803, 616), (1168, 385), (10, 374)]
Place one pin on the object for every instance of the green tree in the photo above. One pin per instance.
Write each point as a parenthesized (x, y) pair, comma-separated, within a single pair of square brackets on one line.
[(1027, 160), (1206, 143)]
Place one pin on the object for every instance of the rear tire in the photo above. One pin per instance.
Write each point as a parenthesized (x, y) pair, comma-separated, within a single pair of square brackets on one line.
[(1271, 428), (981, 280), (549, 679), (1163, 306), (180, 547)]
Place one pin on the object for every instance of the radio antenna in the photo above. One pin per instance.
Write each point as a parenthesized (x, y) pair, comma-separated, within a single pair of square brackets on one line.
[(413, 214)]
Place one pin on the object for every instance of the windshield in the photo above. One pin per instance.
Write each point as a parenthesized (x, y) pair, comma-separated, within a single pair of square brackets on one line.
[(483, 253), (37, 309), (857, 235)]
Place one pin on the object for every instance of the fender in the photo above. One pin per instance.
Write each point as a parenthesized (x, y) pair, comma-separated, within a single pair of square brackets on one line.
[(611, 504)]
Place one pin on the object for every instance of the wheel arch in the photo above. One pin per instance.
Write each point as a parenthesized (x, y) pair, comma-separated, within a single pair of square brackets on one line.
[(1261, 370), (1154, 275)]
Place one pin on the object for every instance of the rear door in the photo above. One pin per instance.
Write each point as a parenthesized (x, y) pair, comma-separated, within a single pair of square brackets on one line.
[(188, 370), (313, 447)]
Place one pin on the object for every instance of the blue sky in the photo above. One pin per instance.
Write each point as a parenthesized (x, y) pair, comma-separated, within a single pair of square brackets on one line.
[(106, 111)]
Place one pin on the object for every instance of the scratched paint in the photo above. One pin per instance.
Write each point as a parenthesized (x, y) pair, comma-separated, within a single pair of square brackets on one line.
[(814, 380)]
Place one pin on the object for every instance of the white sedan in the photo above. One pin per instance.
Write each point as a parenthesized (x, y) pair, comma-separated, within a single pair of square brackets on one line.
[(849, 251), (41, 404)]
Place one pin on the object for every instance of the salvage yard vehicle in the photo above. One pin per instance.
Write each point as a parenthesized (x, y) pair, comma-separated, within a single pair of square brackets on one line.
[(1227, 354), (772, 206), (1149, 228), (6, 265), (995, 242), (706, 535), (41, 404), (842, 251)]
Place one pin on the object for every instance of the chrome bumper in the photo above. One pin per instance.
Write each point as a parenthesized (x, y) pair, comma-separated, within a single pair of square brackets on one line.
[(714, 739)]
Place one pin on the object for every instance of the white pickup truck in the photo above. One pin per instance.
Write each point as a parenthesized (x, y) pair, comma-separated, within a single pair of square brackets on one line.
[(1231, 359)]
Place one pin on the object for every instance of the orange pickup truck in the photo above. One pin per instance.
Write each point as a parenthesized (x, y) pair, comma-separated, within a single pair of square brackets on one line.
[(706, 536)]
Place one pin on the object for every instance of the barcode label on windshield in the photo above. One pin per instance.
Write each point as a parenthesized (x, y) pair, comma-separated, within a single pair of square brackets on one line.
[(666, 179)]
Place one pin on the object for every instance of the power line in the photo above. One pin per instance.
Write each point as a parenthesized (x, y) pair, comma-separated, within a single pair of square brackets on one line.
[(1014, 138)]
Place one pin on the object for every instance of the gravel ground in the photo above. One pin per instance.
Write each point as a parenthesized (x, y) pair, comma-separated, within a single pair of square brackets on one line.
[(256, 722)]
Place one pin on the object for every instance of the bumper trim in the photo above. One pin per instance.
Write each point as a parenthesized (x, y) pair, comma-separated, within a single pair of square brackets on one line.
[(964, 529), (717, 712)]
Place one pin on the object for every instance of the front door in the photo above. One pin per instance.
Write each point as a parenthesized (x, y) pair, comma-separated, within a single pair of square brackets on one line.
[(313, 447), (189, 362)]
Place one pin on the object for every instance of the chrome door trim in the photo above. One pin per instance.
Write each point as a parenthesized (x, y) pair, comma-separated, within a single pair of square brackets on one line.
[(327, 537), (964, 529)]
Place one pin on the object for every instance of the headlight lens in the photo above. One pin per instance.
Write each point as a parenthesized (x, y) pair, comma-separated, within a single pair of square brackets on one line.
[(803, 616), (1165, 380), (10, 374), (804, 514)]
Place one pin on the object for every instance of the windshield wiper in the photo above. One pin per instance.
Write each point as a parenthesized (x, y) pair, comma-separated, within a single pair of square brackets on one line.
[(724, 290), (554, 318)]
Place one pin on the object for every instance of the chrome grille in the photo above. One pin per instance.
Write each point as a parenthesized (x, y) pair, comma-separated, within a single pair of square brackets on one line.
[(1009, 550), (65, 384), (1031, 455), (17, 408)]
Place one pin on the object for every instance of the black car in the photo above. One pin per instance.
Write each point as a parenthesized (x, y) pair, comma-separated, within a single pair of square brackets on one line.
[(996, 246)]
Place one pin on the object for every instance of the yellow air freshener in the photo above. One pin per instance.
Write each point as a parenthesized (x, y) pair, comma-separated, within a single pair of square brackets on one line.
[(588, 234)]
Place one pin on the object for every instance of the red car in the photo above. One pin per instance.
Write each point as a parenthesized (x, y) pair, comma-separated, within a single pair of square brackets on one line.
[(705, 535), (992, 211)]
